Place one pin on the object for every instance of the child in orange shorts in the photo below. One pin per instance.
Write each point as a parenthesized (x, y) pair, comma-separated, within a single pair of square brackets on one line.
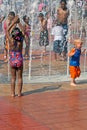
[(74, 55)]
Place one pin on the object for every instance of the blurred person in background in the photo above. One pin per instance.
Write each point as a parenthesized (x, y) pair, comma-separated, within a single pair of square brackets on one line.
[(43, 40), (57, 35), (40, 6), (27, 30), (49, 22), (6, 24), (62, 17)]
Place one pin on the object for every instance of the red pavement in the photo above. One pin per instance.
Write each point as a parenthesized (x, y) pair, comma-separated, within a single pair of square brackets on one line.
[(64, 110), (13, 119)]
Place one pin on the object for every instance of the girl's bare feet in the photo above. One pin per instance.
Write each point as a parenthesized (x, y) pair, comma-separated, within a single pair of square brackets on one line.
[(12, 95), (19, 95)]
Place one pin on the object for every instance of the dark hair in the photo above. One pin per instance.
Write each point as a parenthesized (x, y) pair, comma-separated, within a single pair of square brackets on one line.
[(63, 1), (12, 13), (58, 24), (17, 34), (24, 17), (41, 15)]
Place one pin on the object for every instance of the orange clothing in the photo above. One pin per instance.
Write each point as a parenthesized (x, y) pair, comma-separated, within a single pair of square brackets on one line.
[(74, 71), (72, 52)]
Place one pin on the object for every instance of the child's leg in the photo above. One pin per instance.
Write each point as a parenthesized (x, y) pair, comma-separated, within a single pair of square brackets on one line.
[(6, 50), (55, 56), (56, 49), (73, 83), (20, 80), (26, 51), (27, 48), (73, 73), (5, 55), (44, 49), (13, 79)]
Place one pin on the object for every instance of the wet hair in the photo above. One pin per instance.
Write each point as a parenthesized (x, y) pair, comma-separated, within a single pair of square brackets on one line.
[(58, 24), (17, 35), (41, 15), (24, 17), (12, 13), (63, 1)]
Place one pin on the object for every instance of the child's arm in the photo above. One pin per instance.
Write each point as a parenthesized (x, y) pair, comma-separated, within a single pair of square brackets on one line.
[(13, 23), (52, 34), (20, 26), (2, 18), (83, 51), (44, 24), (72, 52)]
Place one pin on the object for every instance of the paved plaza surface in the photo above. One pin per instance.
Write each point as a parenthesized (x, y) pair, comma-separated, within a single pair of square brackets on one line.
[(46, 106)]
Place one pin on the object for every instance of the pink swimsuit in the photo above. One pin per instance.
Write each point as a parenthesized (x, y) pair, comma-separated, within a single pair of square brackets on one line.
[(16, 59)]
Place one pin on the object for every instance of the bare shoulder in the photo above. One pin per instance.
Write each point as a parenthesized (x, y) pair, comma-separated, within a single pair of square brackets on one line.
[(59, 9), (44, 21)]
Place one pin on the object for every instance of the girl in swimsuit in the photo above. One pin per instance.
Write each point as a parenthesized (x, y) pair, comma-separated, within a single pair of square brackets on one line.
[(16, 59)]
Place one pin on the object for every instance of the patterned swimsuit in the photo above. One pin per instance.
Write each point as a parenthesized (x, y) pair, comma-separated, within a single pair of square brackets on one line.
[(16, 58)]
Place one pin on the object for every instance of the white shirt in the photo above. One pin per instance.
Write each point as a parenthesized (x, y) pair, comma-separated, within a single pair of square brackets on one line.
[(57, 32)]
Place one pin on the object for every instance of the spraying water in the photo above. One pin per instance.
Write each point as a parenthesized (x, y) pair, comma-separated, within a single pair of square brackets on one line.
[(37, 66)]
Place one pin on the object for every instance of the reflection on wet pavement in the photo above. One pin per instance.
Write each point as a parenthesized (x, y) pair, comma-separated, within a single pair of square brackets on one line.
[(60, 110)]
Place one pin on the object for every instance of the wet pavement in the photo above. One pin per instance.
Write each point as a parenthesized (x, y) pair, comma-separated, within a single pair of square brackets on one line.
[(46, 106)]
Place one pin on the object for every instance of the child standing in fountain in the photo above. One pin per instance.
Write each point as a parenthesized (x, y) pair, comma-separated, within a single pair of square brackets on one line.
[(62, 17), (74, 55), (57, 34), (15, 34), (16, 59), (44, 39), (27, 30)]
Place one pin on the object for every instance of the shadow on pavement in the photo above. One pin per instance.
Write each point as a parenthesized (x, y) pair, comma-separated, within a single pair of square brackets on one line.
[(41, 90), (82, 82)]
